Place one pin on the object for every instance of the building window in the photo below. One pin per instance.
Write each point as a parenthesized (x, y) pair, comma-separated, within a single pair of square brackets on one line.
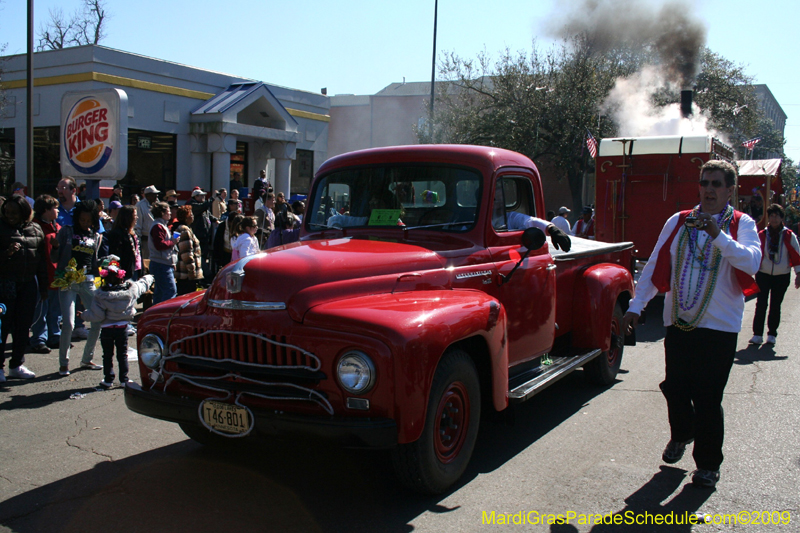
[(239, 163), (7, 167), (302, 172), (151, 161), (46, 160)]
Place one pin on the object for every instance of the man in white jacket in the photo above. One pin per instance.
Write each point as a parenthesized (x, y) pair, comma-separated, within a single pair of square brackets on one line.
[(703, 262)]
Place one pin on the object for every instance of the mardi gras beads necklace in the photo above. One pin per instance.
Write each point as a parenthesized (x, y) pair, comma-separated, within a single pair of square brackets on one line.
[(706, 261)]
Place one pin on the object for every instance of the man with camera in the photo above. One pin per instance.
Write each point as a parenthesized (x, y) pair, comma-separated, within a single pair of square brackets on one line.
[(703, 261)]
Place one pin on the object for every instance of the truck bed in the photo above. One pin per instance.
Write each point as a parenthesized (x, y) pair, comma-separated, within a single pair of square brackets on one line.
[(587, 248)]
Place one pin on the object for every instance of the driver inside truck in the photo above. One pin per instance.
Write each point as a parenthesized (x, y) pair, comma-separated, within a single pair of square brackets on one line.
[(506, 220), (379, 197)]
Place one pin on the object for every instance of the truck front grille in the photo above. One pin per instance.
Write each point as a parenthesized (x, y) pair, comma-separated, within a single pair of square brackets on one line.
[(250, 348)]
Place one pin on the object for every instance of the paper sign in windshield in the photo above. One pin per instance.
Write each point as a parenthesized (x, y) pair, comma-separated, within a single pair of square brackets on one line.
[(384, 217)]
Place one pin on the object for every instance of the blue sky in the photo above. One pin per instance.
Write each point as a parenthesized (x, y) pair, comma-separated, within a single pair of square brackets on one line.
[(359, 46)]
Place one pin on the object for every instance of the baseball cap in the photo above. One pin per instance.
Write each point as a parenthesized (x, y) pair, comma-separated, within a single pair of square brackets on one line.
[(563, 210), (151, 190), (198, 192), (587, 209), (115, 205)]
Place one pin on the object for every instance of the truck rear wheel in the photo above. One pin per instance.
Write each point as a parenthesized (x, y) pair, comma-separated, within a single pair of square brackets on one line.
[(603, 369), (439, 457)]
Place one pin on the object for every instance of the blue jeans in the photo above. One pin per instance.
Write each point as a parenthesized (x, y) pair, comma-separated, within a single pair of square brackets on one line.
[(67, 299), (46, 328), (164, 277)]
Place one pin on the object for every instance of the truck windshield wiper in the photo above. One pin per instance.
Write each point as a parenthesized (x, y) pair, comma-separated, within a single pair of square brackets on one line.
[(324, 226), (443, 225)]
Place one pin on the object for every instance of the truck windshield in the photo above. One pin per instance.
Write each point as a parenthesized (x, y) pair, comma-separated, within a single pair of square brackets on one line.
[(406, 196)]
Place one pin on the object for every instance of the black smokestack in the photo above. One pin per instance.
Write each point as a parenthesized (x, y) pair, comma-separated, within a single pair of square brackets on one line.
[(686, 103)]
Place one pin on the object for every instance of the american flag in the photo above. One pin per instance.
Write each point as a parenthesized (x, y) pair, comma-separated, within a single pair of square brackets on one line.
[(591, 144), (751, 143)]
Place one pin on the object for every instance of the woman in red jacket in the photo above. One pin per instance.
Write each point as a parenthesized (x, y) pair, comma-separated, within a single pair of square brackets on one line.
[(46, 331)]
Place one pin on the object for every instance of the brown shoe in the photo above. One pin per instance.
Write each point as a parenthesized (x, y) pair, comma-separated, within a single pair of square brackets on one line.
[(39, 348)]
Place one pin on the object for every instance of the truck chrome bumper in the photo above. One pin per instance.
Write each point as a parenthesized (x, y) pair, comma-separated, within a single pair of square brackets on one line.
[(347, 432)]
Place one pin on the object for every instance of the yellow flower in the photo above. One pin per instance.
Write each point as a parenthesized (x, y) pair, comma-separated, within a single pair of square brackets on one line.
[(64, 279)]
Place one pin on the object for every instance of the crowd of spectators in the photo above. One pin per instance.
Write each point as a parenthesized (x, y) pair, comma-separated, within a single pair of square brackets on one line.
[(56, 253)]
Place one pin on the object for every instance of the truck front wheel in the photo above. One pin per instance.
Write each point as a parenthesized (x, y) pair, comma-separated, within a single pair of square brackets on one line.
[(439, 457), (603, 369)]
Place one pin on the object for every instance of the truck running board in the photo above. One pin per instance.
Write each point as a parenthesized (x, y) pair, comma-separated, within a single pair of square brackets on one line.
[(560, 367)]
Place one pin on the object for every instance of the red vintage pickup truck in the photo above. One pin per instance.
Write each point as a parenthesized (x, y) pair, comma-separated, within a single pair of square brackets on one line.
[(409, 306)]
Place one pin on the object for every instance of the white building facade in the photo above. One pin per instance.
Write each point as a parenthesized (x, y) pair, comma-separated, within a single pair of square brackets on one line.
[(187, 126)]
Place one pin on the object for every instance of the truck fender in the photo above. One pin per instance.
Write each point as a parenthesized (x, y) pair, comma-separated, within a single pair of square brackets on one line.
[(596, 293), (419, 327)]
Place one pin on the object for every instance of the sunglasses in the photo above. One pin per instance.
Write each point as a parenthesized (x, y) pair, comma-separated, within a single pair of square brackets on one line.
[(714, 183)]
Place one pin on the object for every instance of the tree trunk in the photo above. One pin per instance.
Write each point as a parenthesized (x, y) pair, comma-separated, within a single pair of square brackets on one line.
[(575, 177)]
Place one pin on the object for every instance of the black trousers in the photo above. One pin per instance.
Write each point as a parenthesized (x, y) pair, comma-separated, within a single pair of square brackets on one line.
[(20, 299), (698, 363), (185, 286), (776, 285), (109, 339)]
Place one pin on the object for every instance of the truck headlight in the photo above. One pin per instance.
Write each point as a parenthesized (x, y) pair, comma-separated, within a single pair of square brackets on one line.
[(150, 351), (356, 372)]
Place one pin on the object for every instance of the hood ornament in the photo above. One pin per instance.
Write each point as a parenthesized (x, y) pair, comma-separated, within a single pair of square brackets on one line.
[(233, 281), (235, 278)]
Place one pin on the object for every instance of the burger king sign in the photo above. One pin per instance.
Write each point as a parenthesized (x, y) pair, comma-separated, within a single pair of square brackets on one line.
[(94, 134)]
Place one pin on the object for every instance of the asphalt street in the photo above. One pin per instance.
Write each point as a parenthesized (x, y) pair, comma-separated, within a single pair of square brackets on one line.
[(74, 459)]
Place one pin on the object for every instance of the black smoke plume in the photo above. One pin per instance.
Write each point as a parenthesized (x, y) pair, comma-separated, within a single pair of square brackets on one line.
[(673, 32)]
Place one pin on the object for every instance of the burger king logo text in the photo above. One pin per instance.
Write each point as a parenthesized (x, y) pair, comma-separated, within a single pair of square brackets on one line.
[(86, 136)]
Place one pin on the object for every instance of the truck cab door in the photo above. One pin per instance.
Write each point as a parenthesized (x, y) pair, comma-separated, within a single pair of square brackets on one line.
[(529, 296)]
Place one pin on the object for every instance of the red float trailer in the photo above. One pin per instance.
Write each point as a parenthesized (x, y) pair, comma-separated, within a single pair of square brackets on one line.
[(642, 181), (759, 186)]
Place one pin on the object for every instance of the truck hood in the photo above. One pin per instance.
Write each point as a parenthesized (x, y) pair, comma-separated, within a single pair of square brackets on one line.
[(301, 275)]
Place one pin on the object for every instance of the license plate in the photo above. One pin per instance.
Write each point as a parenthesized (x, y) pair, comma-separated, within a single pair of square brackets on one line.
[(225, 417)]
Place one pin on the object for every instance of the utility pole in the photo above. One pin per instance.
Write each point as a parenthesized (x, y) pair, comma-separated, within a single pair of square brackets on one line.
[(29, 103), (433, 66)]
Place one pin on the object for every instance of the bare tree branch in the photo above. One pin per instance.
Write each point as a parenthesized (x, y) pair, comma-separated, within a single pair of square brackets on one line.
[(56, 33), (85, 26), (98, 10)]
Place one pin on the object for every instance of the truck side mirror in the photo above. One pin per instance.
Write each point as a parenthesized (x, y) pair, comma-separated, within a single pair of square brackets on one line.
[(533, 238)]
